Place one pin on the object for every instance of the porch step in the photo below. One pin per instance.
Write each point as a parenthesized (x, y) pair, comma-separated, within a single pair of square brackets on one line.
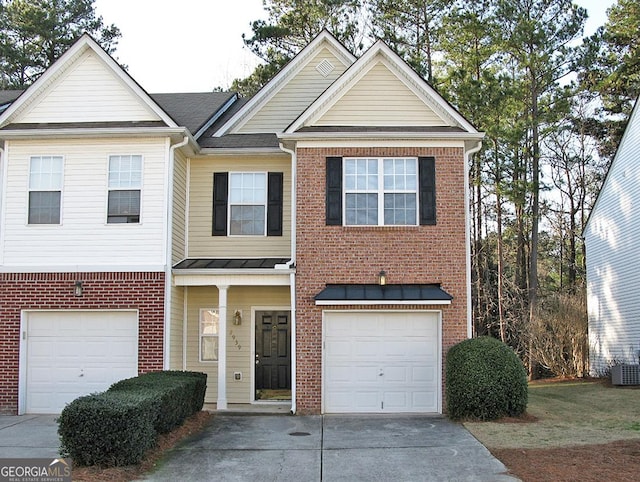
[(271, 408)]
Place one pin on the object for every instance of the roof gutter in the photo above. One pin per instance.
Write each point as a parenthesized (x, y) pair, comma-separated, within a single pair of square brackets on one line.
[(294, 136), (232, 271), (95, 132)]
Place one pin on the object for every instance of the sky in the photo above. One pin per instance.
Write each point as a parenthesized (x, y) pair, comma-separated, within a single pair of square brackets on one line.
[(196, 45)]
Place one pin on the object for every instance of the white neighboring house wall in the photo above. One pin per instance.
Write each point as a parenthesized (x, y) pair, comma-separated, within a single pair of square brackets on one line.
[(56, 116), (612, 238), (84, 239)]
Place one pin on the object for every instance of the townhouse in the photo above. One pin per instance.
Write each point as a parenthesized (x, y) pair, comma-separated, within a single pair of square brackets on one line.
[(307, 246)]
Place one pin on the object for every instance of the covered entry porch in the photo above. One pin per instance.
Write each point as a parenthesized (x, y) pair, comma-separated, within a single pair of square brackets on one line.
[(236, 324)]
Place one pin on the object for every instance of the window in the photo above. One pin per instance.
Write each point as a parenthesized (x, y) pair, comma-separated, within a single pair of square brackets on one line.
[(208, 335), (247, 203), (381, 191), (45, 189), (125, 182), (357, 194)]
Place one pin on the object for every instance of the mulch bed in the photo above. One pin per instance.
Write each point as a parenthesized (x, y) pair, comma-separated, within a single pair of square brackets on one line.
[(615, 461)]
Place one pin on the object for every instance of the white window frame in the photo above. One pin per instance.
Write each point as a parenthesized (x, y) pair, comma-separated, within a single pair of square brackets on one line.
[(265, 204), (202, 336), (124, 188), (379, 191), (50, 189)]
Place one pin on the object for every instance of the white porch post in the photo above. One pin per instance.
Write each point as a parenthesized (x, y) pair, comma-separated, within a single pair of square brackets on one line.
[(222, 347)]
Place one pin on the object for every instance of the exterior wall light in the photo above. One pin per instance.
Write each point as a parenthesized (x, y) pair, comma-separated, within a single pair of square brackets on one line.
[(382, 278), (78, 289), (237, 317)]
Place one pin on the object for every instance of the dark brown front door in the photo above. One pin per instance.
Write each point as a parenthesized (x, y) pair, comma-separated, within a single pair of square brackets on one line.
[(273, 350)]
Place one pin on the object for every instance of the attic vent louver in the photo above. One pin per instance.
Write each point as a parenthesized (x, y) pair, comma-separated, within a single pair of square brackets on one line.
[(325, 67)]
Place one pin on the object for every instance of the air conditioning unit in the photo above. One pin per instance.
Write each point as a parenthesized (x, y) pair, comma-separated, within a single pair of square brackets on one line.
[(625, 375)]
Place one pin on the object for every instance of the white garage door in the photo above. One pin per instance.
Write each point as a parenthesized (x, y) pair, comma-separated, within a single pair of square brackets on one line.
[(381, 362), (74, 353)]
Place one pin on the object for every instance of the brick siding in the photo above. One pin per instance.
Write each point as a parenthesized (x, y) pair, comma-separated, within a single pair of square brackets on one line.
[(340, 254), (55, 291)]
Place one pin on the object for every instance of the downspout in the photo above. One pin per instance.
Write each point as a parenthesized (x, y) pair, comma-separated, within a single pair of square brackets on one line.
[(3, 191), (292, 276), (467, 222), (169, 248)]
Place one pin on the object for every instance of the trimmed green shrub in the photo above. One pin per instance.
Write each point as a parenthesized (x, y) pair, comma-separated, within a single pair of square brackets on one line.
[(118, 426), (179, 394), (107, 429), (197, 384), (485, 380)]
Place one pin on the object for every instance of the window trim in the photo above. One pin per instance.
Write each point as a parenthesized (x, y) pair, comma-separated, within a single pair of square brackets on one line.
[(380, 191), (129, 188), (201, 336), (265, 205), (60, 190)]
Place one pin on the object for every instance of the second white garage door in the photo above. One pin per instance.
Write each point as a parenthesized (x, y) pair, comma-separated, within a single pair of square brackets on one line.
[(74, 353), (385, 362)]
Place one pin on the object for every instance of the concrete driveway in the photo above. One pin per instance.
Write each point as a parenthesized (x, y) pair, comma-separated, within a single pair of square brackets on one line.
[(331, 448), (29, 436)]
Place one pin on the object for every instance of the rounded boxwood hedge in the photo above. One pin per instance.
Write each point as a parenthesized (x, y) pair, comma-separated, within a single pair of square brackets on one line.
[(485, 380)]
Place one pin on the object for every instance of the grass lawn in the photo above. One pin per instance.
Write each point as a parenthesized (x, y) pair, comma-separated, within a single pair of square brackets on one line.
[(574, 430), (568, 413)]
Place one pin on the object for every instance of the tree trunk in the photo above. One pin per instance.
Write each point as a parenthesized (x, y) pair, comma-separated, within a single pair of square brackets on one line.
[(503, 334)]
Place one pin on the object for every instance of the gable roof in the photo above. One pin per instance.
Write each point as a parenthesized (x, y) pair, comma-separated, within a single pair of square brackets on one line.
[(271, 88), (450, 118), (634, 119), (84, 44)]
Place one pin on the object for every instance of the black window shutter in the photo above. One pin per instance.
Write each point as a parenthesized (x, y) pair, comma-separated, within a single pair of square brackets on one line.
[(427, 189), (220, 200), (334, 191), (274, 203)]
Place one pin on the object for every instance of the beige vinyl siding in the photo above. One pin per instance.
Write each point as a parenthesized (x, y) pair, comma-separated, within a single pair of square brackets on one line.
[(178, 251), (380, 98), (201, 242), (294, 97), (239, 349), (87, 92), (84, 237), (176, 327)]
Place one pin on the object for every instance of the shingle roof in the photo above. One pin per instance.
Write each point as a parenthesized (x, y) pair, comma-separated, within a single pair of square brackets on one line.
[(192, 109), (372, 292), (8, 96), (226, 263), (83, 125), (240, 141)]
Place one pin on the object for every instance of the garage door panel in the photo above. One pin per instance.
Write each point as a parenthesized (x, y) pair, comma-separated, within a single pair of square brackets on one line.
[(70, 354), (381, 362), (364, 349), (395, 400), (423, 374), (424, 401), (396, 375)]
